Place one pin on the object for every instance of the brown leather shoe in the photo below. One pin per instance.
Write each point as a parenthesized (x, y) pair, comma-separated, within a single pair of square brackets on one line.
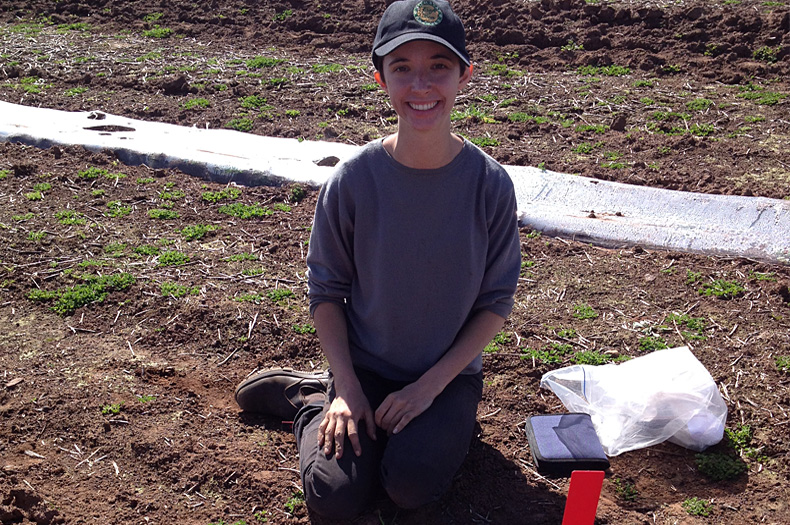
[(280, 392)]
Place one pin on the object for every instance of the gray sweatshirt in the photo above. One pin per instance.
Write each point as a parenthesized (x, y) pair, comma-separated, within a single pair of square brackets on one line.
[(412, 254)]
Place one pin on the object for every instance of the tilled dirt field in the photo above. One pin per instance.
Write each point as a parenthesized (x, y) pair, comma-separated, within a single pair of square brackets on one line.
[(117, 407)]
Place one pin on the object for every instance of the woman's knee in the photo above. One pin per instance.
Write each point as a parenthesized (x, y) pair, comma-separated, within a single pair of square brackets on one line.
[(411, 485)]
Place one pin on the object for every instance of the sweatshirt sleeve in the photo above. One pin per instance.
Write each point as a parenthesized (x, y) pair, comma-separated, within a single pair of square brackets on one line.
[(330, 265), (503, 258)]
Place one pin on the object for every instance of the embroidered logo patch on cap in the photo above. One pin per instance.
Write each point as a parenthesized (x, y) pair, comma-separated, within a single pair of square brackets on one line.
[(428, 13)]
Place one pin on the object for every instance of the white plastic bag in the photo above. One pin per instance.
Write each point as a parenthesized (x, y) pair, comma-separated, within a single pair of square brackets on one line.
[(665, 395)]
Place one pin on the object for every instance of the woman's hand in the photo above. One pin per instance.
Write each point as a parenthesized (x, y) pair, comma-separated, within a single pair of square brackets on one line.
[(399, 408), (343, 419)]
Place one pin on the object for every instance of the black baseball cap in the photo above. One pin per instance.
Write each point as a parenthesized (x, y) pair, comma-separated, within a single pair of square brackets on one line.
[(407, 20)]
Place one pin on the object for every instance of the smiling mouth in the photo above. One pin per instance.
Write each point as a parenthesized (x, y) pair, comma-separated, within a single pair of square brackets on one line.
[(423, 107)]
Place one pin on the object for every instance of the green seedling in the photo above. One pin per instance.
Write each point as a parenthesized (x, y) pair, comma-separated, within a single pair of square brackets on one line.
[(281, 206), (158, 32), (589, 357), (69, 217), (153, 17), (767, 54), (279, 295), (95, 290), (115, 249), (583, 311), (696, 506), (171, 195), (720, 467), (161, 214), (26, 217), (496, 344), (242, 257), (112, 409), (484, 142), (699, 104), (34, 196), (4, 174), (216, 196), (652, 343), (147, 250), (284, 15), (327, 68), (252, 272), (722, 289), (173, 258), (782, 363), (197, 231), (146, 398), (170, 289), (254, 102), (599, 128), (693, 277), (296, 499), (260, 62), (36, 236), (196, 103), (249, 298), (73, 92), (695, 326), (303, 329), (245, 211), (625, 490), (297, 193), (117, 209), (146, 180), (609, 71), (240, 124)]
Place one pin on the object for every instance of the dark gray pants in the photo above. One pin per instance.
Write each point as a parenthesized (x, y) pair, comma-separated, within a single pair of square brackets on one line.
[(414, 467)]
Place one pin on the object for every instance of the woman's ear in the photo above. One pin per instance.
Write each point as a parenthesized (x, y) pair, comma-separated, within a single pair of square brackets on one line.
[(377, 76), (466, 76)]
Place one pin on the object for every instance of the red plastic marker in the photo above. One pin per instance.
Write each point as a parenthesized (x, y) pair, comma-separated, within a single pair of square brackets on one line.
[(583, 495)]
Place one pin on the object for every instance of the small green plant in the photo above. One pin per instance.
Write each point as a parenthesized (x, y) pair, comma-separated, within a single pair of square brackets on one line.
[(782, 363), (240, 124), (572, 46), (609, 71), (261, 516), (739, 438), (260, 62), (566, 333), (595, 128), (245, 211), (4, 174), (693, 277), (197, 231), (69, 217), (279, 295), (694, 326), (216, 196), (294, 501), (161, 214), (117, 209), (94, 290), (34, 196), (73, 92), (253, 102), (767, 54), (303, 329), (589, 357), (696, 506), (112, 409), (719, 466), (239, 257), (115, 249), (37, 236), (168, 289), (651, 343), (196, 103), (584, 148), (158, 32), (26, 217), (625, 490), (484, 142), (249, 298), (284, 15), (147, 250), (173, 258), (153, 17), (327, 68), (722, 289), (146, 180), (584, 311), (699, 104), (292, 113), (495, 345), (281, 206), (297, 193), (145, 398)]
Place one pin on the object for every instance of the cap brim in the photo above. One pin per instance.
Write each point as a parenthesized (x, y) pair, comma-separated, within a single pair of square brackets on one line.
[(389, 47)]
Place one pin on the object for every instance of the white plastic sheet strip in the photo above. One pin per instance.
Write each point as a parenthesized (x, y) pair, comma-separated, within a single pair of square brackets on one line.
[(589, 210)]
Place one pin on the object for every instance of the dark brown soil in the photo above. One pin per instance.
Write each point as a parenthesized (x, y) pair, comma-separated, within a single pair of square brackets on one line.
[(702, 107)]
